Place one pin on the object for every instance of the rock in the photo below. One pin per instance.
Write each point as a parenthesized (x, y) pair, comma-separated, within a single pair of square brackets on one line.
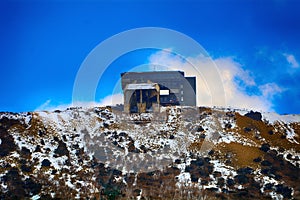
[(105, 125), (285, 191), (230, 182), (25, 152), (41, 133), (46, 163), (198, 162), (228, 126), (281, 150), (221, 182), (136, 192), (268, 186), (132, 148), (258, 159), (177, 161), (217, 174), (224, 190), (247, 130), (266, 171), (289, 156), (207, 159), (37, 148), (254, 115), (283, 137), (123, 134), (143, 148), (15, 184), (26, 168), (7, 143), (62, 149), (187, 169), (213, 189), (270, 132), (56, 138), (241, 179), (32, 187), (265, 147), (266, 163), (244, 171), (230, 114), (211, 152), (194, 178), (200, 129)]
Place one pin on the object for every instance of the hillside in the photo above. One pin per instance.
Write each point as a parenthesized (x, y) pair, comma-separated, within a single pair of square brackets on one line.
[(180, 153)]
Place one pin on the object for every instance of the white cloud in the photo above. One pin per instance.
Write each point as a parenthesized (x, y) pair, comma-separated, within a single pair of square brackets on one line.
[(47, 106), (44, 106), (233, 78), (230, 71), (106, 101), (112, 100), (270, 89), (291, 60)]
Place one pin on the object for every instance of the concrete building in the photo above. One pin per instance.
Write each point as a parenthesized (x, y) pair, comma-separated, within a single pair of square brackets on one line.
[(147, 91)]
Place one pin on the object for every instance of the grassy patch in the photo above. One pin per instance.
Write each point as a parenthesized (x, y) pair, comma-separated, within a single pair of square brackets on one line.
[(240, 155), (277, 139)]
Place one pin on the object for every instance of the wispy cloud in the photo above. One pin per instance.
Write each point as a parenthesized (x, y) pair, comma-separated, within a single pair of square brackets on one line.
[(290, 58), (235, 81), (112, 100), (106, 101), (44, 106), (48, 106), (269, 90)]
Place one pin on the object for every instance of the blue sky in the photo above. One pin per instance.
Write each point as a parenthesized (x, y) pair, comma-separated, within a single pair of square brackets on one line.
[(44, 43)]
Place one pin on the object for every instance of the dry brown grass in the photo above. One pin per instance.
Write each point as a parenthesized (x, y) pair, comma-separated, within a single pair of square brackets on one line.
[(275, 140), (242, 155), (196, 146), (205, 110)]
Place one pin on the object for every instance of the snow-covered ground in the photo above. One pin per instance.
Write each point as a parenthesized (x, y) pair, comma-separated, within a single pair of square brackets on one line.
[(61, 146)]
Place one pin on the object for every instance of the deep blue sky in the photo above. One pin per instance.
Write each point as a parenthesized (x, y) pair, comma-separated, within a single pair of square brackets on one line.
[(44, 43)]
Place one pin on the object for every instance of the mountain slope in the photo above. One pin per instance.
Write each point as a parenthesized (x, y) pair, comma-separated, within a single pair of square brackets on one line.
[(180, 153)]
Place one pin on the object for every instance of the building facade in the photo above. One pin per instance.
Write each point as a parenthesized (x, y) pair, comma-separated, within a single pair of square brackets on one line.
[(146, 91)]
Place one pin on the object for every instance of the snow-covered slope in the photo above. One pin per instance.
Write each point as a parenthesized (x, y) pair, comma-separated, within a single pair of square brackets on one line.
[(180, 153)]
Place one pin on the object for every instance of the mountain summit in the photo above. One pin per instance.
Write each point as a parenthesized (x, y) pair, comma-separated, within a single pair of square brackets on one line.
[(179, 153)]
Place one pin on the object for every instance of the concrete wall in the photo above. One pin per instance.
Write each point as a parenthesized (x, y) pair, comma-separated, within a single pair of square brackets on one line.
[(184, 88)]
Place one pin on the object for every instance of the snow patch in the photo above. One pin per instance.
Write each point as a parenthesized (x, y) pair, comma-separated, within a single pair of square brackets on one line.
[(274, 117)]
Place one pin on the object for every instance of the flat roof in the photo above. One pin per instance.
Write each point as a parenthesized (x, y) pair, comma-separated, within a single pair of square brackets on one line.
[(153, 72), (141, 86)]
